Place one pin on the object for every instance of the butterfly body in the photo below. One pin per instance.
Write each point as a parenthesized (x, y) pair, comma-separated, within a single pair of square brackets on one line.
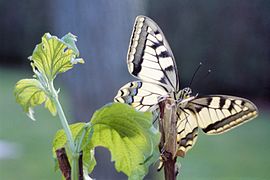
[(150, 59)]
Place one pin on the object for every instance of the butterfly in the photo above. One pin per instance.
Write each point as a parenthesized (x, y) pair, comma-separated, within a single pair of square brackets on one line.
[(151, 61)]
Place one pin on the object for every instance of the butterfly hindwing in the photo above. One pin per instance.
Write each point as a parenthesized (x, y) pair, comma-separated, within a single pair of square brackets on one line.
[(219, 113), (150, 58), (187, 130), (141, 95)]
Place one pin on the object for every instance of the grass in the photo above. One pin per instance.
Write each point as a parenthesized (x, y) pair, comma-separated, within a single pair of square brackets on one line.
[(242, 153)]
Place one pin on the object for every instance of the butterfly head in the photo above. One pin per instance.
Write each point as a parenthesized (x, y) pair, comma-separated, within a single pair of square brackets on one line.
[(183, 96), (186, 92)]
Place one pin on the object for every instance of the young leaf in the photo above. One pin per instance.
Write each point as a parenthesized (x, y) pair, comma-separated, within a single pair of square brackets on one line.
[(30, 93), (130, 137), (53, 56), (60, 141)]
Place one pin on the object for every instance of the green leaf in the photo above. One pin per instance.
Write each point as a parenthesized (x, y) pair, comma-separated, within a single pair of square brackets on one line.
[(60, 141), (53, 55), (130, 137), (127, 133), (30, 93)]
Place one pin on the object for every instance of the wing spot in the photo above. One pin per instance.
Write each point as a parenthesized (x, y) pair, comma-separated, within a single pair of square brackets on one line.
[(135, 44), (238, 102), (159, 37), (160, 49), (214, 102), (232, 123), (227, 104), (149, 30), (140, 19), (131, 57), (140, 24), (138, 30), (137, 36)]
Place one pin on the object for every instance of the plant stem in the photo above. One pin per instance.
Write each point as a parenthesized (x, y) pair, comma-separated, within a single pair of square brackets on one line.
[(70, 141), (63, 118), (84, 131), (169, 168), (168, 143), (75, 167)]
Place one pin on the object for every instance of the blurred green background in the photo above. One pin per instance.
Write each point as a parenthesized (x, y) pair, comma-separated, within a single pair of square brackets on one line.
[(230, 37)]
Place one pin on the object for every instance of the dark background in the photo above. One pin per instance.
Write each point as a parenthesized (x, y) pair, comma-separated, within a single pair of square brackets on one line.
[(232, 38)]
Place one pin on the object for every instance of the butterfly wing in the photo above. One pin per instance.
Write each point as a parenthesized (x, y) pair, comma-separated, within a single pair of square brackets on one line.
[(187, 130), (150, 57), (141, 95), (216, 114)]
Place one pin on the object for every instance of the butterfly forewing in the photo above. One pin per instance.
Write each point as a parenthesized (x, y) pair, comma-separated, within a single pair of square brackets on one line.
[(150, 58), (218, 113)]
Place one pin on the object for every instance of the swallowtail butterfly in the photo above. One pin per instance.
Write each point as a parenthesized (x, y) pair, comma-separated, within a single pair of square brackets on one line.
[(150, 59)]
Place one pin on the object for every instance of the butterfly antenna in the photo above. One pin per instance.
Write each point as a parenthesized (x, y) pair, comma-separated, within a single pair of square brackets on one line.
[(194, 74)]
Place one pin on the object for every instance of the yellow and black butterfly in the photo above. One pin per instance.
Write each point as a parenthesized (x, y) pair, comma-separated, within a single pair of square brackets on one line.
[(150, 59)]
